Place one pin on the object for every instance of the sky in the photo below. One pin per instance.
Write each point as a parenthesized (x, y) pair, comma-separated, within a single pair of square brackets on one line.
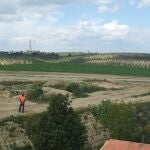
[(75, 25)]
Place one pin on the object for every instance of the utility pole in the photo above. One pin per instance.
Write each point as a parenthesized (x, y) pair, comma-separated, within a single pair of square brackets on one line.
[(30, 46)]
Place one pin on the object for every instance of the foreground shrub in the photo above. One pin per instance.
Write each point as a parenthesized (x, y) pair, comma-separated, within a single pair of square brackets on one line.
[(81, 90), (119, 119), (59, 128), (35, 93)]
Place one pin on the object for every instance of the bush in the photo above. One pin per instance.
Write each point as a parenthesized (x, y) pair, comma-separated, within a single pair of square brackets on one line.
[(119, 119), (59, 128), (146, 134), (81, 90), (35, 93), (74, 88), (89, 88)]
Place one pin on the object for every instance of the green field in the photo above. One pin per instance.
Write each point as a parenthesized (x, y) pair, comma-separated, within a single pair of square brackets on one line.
[(79, 68)]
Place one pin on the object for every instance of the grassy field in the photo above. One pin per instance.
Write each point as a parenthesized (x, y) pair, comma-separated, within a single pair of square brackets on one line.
[(79, 68)]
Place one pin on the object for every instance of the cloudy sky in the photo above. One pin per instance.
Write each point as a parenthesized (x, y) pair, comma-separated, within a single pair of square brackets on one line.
[(79, 25)]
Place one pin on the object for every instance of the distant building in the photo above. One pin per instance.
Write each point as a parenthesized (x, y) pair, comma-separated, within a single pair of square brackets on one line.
[(124, 145)]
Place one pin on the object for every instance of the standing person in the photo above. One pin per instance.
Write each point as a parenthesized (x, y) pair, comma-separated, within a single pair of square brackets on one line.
[(22, 100)]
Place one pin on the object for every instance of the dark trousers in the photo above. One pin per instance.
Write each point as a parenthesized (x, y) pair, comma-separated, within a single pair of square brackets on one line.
[(21, 108)]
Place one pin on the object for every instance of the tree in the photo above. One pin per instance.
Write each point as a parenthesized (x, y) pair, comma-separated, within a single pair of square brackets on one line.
[(59, 128), (120, 119)]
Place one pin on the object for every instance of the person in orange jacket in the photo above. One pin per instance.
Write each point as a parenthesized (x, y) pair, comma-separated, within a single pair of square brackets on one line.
[(22, 100)]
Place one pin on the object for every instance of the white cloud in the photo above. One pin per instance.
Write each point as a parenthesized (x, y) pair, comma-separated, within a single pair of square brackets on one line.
[(8, 7), (106, 8), (83, 34), (139, 3), (13, 10), (132, 2), (115, 30), (39, 20), (100, 1), (144, 3)]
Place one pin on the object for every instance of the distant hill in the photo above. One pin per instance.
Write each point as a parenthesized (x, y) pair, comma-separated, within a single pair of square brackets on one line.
[(7, 58), (129, 59)]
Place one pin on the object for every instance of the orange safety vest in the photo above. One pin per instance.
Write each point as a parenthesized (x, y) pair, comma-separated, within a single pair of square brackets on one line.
[(22, 99)]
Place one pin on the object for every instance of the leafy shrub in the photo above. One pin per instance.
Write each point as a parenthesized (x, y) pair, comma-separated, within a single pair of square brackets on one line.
[(73, 88), (35, 93), (89, 88), (81, 90), (120, 119), (59, 128)]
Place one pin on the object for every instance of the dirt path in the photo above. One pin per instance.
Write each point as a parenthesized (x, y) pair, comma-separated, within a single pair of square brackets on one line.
[(33, 76), (128, 88)]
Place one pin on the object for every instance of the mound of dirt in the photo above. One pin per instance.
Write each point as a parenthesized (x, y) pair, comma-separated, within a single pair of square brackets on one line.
[(49, 91)]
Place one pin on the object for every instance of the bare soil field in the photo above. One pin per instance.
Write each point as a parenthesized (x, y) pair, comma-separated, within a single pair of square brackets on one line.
[(120, 89)]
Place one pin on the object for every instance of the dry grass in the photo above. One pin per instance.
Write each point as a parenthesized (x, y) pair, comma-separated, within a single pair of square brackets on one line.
[(119, 89)]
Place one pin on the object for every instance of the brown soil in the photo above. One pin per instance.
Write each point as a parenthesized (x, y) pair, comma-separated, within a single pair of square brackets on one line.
[(119, 89)]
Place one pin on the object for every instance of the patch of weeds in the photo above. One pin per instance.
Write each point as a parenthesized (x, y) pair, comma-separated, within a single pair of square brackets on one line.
[(16, 86), (12, 129), (2, 122), (97, 80), (78, 89), (81, 89), (115, 89), (74, 88), (83, 110), (89, 88), (25, 147), (11, 83), (14, 93), (141, 95), (102, 89), (44, 98), (14, 119), (35, 93), (60, 85)]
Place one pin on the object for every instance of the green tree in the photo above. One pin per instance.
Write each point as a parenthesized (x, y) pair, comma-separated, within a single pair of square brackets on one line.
[(59, 128), (119, 119)]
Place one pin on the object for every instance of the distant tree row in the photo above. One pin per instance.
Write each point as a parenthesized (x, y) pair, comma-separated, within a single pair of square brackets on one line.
[(30, 55), (135, 56)]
